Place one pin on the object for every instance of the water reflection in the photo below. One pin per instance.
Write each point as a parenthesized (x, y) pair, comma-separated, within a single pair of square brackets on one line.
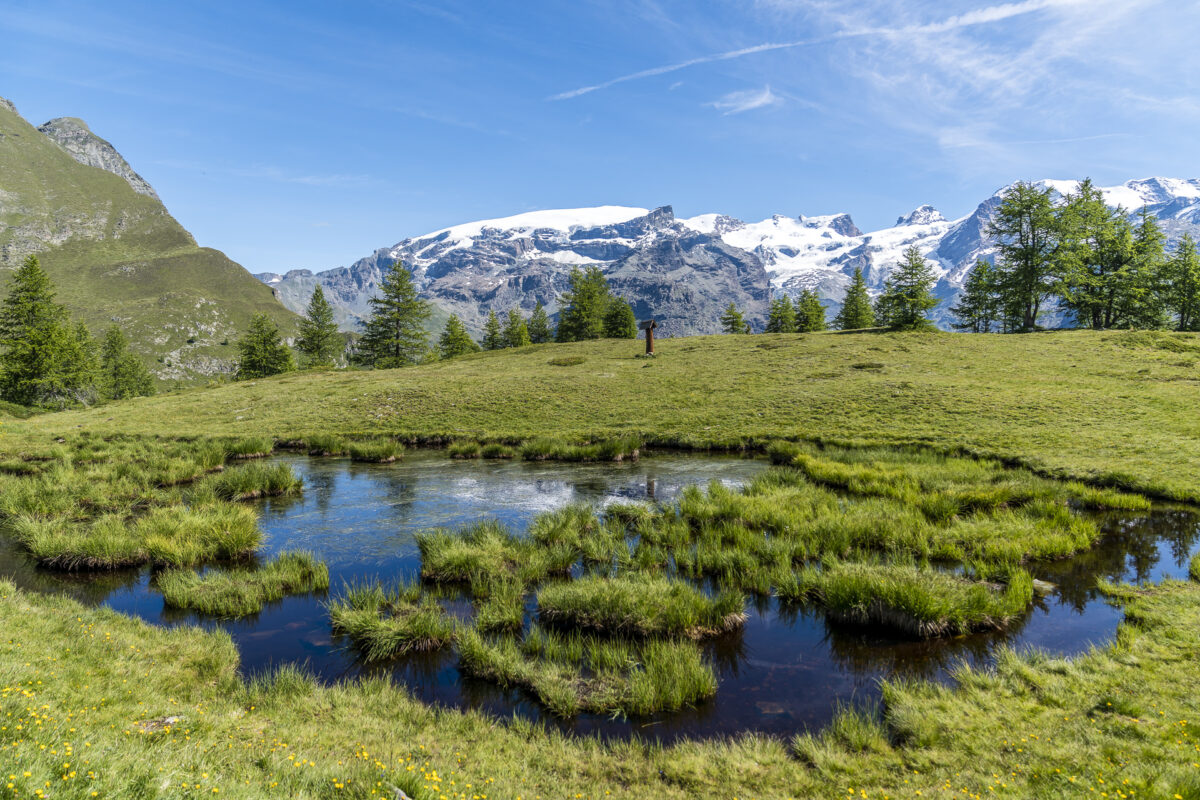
[(788, 669)]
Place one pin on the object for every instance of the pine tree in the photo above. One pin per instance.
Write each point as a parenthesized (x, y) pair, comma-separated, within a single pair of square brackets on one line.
[(583, 306), (1026, 231), (45, 360), (516, 334), (732, 320), (979, 304), (1182, 275), (493, 337), (319, 341), (539, 326), (395, 334), (810, 314), (122, 374), (455, 340), (262, 351), (782, 316), (906, 297), (1143, 290), (856, 310), (619, 321)]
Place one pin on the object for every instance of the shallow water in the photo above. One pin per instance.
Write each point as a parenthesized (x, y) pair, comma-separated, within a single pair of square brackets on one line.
[(786, 671)]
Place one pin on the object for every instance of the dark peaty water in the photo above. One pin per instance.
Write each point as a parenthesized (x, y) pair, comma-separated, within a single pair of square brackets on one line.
[(787, 671)]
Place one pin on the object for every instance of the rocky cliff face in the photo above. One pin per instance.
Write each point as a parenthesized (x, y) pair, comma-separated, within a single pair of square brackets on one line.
[(74, 136)]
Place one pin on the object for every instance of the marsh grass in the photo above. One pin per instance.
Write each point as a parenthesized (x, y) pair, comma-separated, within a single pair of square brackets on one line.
[(464, 449), (324, 444), (571, 673), (503, 609), (375, 451), (384, 622), (249, 447), (918, 601), (551, 449), (251, 481), (242, 592), (639, 605), (487, 554), (496, 450)]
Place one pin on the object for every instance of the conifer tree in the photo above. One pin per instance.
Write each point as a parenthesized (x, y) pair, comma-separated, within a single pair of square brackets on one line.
[(619, 321), (1182, 274), (455, 340), (45, 360), (584, 306), (979, 304), (262, 351), (122, 373), (906, 298), (856, 310), (516, 334), (319, 341), (395, 334), (782, 316), (732, 320), (810, 314), (1143, 289), (1026, 231), (493, 337), (539, 326)]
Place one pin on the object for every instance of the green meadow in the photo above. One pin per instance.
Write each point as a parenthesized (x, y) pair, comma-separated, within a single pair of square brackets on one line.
[(916, 477)]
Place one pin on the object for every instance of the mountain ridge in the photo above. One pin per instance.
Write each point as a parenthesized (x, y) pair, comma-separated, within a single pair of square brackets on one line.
[(471, 267)]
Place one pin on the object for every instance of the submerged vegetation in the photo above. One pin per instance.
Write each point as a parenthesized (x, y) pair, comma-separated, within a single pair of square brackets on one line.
[(241, 592)]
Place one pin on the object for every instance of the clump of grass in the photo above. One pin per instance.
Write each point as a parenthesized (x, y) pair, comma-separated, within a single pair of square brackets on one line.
[(252, 481), (376, 451), (485, 554), (464, 449), (852, 731), (549, 449), (571, 673), (173, 536), (250, 447), (498, 451), (503, 610), (241, 592), (324, 444), (386, 622), (640, 605), (1194, 568), (918, 601)]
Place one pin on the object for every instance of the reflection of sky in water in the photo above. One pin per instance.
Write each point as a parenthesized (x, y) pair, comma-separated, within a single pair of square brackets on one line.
[(788, 669)]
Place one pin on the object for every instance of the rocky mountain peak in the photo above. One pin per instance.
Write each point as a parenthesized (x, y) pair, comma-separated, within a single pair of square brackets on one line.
[(73, 135), (7, 105), (922, 215)]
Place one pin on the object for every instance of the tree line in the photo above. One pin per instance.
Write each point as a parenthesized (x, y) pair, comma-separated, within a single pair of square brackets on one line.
[(396, 332), (47, 360)]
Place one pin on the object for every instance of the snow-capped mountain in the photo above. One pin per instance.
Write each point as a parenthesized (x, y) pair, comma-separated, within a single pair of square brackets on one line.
[(685, 271)]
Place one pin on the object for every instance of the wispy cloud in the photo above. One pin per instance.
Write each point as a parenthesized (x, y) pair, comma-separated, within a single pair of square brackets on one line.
[(981, 16), (746, 100)]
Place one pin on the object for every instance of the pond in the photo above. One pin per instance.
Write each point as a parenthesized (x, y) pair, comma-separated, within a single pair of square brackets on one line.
[(787, 670)]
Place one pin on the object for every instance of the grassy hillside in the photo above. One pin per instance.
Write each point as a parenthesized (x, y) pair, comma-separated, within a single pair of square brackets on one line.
[(1118, 406), (118, 256)]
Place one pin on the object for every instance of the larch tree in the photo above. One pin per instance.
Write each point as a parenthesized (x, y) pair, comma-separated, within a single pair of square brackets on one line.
[(538, 326), (395, 334), (619, 321), (1026, 231), (319, 342), (782, 316), (516, 333), (810, 313), (493, 337), (907, 299), (978, 306), (732, 320), (455, 340), (122, 373), (262, 351), (856, 309), (584, 305)]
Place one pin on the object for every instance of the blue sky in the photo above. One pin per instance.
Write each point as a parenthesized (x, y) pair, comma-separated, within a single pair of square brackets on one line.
[(306, 134)]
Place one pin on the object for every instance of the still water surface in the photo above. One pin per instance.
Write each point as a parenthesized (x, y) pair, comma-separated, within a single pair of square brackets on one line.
[(786, 671)]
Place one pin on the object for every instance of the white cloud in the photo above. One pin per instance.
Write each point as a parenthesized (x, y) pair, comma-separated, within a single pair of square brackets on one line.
[(746, 100)]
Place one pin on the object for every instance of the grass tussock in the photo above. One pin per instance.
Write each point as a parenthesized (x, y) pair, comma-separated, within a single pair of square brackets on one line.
[(242, 592), (375, 451), (551, 449), (252, 481), (486, 554), (384, 622), (571, 673), (324, 444), (640, 605), (249, 447), (917, 601)]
